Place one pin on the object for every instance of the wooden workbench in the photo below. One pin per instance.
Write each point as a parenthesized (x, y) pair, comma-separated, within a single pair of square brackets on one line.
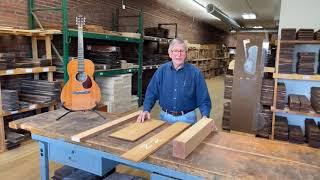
[(221, 155)]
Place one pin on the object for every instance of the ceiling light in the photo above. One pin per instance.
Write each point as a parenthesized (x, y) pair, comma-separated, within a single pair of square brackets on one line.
[(202, 7), (249, 16), (257, 27)]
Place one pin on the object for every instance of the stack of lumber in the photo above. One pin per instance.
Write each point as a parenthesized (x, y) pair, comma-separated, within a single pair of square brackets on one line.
[(264, 123), (156, 32), (294, 102), (306, 63), (228, 80), (296, 134), (7, 61), (39, 91), (155, 59), (286, 58), (13, 139), (10, 100), (226, 120), (281, 128), (315, 99), (305, 104), (317, 35), (14, 82), (281, 96), (299, 103), (116, 93), (305, 34), (107, 55), (12, 61), (312, 133), (288, 34), (267, 92)]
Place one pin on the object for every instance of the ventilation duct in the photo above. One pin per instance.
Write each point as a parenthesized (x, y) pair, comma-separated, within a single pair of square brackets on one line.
[(212, 9)]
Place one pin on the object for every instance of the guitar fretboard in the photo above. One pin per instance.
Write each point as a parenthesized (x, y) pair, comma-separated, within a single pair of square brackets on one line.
[(80, 49)]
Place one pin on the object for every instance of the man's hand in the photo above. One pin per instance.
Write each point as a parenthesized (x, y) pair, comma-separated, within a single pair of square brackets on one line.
[(214, 127), (142, 116)]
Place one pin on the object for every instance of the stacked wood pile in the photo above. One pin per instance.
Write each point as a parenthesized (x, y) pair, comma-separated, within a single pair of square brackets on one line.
[(306, 63), (39, 91), (228, 80), (281, 96), (315, 99), (296, 134), (281, 128), (264, 123), (288, 34), (286, 58), (267, 92), (312, 133), (226, 120), (305, 34)]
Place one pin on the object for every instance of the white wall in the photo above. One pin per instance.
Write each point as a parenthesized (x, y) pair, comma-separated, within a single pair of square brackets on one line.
[(300, 14)]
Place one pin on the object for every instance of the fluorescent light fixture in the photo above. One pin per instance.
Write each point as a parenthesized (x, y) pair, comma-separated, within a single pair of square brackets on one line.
[(199, 5), (249, 16), (257, 27)]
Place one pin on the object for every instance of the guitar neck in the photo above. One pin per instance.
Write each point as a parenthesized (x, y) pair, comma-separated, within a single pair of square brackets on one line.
[(80, 50)]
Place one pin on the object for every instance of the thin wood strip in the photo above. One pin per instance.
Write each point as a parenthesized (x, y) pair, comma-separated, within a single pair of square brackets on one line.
[(143, 150), (94, 131), (137, 130), (186, 142)]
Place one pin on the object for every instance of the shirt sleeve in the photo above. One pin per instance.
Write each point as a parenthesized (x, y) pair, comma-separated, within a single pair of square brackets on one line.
[(152, 93), (202, 95)]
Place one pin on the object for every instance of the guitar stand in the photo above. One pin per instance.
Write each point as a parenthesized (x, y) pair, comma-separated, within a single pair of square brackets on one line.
[(70, 111)]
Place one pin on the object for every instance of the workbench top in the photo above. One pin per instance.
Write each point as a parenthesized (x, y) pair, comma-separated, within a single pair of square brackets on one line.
[(221, 154)]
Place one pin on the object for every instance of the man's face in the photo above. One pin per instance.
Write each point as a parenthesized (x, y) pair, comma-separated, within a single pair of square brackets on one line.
[(178, 54)]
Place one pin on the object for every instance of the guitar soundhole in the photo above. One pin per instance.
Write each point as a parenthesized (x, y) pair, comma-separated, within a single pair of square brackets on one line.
[(81, 76)]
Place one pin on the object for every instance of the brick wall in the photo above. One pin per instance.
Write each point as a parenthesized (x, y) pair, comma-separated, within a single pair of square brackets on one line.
[(99, 12)]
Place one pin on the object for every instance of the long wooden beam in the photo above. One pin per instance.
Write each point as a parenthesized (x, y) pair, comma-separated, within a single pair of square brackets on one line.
[(143, 150), (186, 142), (104, 127)]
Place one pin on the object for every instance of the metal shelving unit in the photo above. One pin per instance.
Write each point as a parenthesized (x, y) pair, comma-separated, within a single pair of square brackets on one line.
[(68, 33)]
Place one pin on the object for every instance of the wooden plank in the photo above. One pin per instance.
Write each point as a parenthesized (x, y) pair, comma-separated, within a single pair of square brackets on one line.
[(48, 47), (137, 130), (99, 129), (27, 70), (34, 49), (143, 150), (186, 142), (297, 77)]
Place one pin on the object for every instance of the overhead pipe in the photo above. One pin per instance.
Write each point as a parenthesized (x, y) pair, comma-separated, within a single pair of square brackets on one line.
[(212, 9)]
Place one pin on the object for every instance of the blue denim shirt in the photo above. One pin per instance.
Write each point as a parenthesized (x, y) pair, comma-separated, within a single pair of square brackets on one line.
[(178, 90)]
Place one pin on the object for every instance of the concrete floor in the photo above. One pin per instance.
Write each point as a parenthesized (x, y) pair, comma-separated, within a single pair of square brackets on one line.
[(23, 162)]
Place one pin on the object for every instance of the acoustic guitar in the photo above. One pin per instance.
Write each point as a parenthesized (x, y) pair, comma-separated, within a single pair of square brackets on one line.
[(81, 92)]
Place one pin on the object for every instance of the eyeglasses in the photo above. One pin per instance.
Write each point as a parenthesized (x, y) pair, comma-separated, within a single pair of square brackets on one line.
[(176, 51)]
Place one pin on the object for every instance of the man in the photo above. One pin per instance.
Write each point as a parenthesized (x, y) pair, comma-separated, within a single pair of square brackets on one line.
[(179, 87)]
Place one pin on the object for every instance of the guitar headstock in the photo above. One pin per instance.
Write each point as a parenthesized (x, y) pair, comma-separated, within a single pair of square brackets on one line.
[(80, 21)]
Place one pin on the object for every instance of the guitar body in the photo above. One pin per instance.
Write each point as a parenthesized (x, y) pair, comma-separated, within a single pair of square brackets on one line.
[(82, 94)]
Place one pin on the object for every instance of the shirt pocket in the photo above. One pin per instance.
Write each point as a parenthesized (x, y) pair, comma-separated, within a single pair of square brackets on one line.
[(188, 89)]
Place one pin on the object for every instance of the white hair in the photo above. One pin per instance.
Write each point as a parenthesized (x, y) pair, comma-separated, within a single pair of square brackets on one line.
[(177, 41)]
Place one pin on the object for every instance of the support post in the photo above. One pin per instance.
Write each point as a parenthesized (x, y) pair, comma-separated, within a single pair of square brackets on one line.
[(44, 160)]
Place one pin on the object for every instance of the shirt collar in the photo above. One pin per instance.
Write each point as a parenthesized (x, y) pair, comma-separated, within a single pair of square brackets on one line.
[(182, 67)]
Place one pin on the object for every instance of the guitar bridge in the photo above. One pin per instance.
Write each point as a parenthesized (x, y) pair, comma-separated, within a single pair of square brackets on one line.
[(81, 92)]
